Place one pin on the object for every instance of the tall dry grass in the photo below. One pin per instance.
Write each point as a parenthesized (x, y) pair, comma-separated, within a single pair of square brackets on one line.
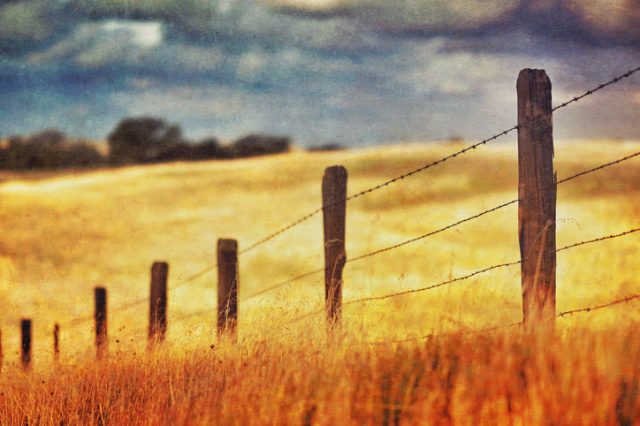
[(62, 235)]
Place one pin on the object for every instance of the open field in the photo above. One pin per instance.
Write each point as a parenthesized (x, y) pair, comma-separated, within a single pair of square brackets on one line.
[(63, 235)]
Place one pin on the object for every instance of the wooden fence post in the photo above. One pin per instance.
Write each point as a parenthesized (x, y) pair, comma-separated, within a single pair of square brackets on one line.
[(537, 197), (1, 352), (25, 346), (227, 286), (158, 302), (334, 204), (56, 343), (100, 295)]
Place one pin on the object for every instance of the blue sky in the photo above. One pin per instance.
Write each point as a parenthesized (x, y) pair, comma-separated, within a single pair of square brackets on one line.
[(356, 72)]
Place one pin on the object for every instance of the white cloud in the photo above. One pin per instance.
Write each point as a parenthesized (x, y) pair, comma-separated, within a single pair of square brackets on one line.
[(97, 44), (144, 34)]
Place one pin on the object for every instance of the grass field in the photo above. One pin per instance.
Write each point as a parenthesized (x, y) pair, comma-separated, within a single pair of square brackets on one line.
[(64, 234)]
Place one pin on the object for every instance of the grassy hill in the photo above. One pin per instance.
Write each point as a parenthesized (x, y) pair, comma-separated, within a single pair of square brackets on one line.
[(64, 234)]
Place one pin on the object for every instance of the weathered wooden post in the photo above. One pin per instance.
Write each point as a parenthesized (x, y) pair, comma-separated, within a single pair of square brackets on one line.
[(56, 343), (334, 206), (158, 302), (100, 296), (537, 197), (227, 286), (25, 345)]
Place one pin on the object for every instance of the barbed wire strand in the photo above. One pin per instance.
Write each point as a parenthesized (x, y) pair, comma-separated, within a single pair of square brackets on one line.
[(463, 277), (625, 299), (493, 209), (453, 225), (484, 270), (598, 88), (562, 314), (420, 169), (253, 295), (374, 188), (283, 283), (81, 320)]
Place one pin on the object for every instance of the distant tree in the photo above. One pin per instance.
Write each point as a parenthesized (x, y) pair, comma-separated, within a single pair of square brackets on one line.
[(175, 152), (206, 149), (81, 154), (144, 140), (257, 144), (51, 138), (332, 146), (38, 151), (49, 149)]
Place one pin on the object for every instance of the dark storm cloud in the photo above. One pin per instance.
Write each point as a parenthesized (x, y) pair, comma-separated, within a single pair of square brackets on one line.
[(593, 22), (358, 70), (331, 27), (29, 25)]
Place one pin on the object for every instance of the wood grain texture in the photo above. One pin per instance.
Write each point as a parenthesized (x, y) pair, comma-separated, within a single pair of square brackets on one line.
[(537, 196)]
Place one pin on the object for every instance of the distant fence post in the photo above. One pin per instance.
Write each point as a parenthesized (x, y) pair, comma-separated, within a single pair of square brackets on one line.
[(1, 352), (537, 197), (100, 295), (25, 343), (56, 343), (334, 204), (227, 286), (158, 302)]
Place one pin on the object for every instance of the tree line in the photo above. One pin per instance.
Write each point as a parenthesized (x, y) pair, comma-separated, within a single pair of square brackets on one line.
[(136, 140)]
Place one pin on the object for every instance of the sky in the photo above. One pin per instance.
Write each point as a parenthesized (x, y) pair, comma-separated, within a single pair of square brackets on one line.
[(353, 72)]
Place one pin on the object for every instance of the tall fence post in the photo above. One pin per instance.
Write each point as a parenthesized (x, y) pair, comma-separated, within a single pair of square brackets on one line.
[(100, 296), (227, 286), (334, 205), (158, 302), (537, 197), (25, 343), (56, 343)]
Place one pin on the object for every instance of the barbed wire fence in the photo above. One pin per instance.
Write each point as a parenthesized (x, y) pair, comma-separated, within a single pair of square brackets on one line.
[(394, 180)]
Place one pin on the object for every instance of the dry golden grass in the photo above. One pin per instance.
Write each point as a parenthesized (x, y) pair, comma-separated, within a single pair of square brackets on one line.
[(65, 234)]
